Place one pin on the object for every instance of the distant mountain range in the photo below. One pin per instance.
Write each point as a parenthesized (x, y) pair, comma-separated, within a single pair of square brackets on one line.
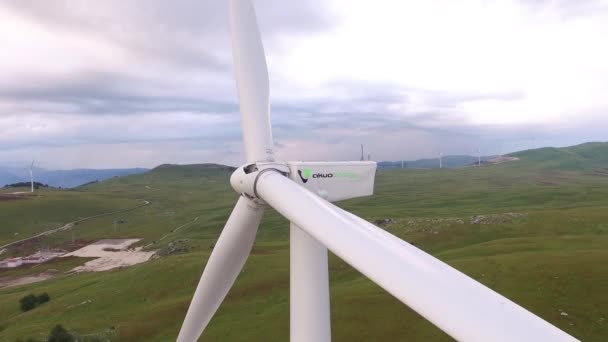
[(62, 178), (590, 156)]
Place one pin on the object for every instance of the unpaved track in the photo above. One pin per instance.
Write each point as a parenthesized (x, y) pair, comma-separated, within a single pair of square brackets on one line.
[(173, 231), (71, 224), (28, 279)]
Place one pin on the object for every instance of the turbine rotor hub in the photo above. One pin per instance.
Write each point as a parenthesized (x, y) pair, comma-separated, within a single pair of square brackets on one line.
[(243, 180)]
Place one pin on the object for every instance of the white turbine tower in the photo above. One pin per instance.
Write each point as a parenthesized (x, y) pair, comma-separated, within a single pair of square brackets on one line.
[(479, 156), (302, 192), (32, 176), (441, 160)]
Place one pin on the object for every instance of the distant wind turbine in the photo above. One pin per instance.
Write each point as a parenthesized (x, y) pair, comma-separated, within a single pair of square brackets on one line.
[(362, 154), (441, 160), (478, 156), (32, 176)]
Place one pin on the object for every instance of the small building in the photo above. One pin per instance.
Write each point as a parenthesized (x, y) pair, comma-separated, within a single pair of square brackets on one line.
[(33, 259)]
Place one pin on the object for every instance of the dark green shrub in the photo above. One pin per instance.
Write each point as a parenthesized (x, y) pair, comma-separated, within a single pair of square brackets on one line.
[(43, 298), (59, 334), (28, 302)]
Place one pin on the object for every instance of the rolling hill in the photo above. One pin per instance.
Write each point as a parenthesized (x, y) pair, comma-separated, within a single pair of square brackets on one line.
[(586, 157), (63, 178), (535, 230)]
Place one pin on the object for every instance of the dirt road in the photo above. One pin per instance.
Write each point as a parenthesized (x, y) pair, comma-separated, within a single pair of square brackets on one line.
[(70, 225)]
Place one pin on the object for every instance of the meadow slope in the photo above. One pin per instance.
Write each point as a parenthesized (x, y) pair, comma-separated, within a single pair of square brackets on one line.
[(536, 230)]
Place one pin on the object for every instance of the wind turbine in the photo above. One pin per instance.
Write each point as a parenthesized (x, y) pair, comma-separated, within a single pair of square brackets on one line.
[(32, 176), (441, 160), (478, 156), (362, 154), (302, 192)]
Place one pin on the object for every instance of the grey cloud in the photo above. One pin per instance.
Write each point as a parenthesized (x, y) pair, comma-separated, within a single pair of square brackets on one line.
[(194, 16), (190, 38), (375, 99), (105, 93), (208, 140), (185, 32)]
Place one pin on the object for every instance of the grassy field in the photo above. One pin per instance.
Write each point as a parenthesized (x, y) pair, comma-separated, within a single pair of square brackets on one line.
[(542, 241), (46, 209)]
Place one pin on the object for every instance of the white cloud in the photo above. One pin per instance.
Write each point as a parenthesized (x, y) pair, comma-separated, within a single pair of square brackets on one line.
[(136, 87), (465, 47)]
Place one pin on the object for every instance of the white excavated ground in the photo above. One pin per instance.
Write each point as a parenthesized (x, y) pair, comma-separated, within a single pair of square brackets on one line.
[(110, 253)]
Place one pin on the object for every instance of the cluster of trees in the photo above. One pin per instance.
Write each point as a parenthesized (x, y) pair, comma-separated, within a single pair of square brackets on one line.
[(30, 301), (59, 334), (37, 185)]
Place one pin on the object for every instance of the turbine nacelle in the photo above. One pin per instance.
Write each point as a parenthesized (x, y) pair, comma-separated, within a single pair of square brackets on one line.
[(332, 181)]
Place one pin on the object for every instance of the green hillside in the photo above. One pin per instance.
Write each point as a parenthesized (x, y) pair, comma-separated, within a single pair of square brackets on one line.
[(586, 156), (535, 230)]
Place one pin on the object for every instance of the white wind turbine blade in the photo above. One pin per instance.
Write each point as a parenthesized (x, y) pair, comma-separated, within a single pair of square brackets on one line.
[(454, 302), (252, 81), (236, 240), (224, 265)]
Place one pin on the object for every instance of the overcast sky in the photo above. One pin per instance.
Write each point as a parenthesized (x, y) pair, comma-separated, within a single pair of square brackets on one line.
[(138, 83)]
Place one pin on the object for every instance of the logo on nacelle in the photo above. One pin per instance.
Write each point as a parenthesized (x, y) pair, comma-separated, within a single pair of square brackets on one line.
[(306, 174)]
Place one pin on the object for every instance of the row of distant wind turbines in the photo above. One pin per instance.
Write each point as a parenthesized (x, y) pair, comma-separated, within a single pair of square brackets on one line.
[(369, 157), (440, 158)]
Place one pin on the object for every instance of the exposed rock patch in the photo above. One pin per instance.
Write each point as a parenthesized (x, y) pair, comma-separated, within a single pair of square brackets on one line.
[(496, 218), (436, 225), (177, 246), (384, 221)]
